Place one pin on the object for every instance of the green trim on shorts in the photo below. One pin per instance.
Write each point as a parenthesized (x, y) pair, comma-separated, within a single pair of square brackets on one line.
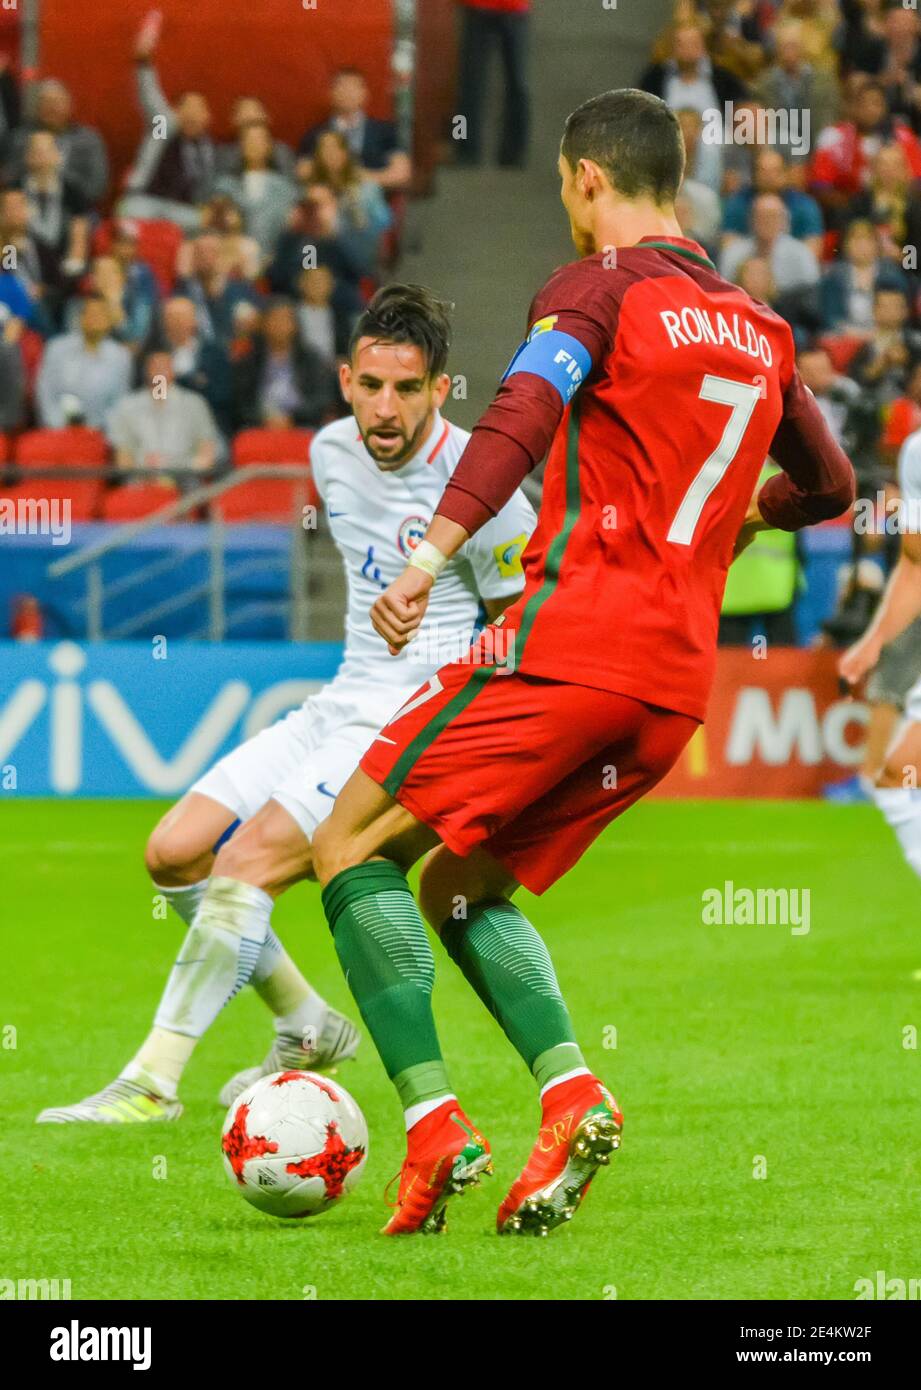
[(436, 725)]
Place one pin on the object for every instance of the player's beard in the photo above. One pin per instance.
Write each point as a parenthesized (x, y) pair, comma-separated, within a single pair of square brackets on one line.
[(387, 461)]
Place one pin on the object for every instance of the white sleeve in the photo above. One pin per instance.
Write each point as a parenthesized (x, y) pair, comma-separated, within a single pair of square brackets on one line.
[(910, 481), (495, 550), (318, 467)]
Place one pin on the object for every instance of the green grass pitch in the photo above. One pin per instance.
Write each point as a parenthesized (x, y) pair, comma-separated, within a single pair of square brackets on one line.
[(734, 1044)]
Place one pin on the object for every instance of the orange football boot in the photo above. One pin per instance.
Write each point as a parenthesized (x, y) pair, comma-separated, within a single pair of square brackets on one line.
[(580, 1128), (445, 1154)]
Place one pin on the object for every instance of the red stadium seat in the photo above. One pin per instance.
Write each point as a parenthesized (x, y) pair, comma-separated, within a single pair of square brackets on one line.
[(73, 447), (4, 448), (267, 499), (281, 446), (271, 446), (83, 494), (136, 500), (158, 245)]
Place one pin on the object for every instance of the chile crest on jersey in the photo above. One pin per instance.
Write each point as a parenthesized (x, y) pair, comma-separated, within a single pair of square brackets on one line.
[(411, 532)]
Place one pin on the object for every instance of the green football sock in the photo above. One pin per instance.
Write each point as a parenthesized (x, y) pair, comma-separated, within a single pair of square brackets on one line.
[(382, 944), (503, 957)]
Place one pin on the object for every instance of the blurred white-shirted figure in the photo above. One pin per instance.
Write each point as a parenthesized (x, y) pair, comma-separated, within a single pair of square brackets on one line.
[(896, 791)]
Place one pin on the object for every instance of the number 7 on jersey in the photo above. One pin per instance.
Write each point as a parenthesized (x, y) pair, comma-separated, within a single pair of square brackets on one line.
[(742, 397)]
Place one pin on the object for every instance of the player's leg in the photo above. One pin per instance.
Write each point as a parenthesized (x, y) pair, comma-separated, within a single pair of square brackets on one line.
[(180, 855), (580, 1121), (896, 789), (361, 855), (500, 953), (269, 854)]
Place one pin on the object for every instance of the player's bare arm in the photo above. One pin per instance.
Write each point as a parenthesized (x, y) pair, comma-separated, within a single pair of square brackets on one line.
[(898, 608)]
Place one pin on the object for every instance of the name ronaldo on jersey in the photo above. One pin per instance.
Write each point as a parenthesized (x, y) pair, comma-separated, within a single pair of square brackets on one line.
[(692, 325)]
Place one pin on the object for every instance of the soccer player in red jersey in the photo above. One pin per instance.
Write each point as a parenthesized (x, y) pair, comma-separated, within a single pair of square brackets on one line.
[(659, 389)]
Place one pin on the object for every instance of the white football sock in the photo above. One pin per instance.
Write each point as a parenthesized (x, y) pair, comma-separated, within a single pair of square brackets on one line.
[(902, 808), (414, 1113), (160, 1062), (217, 957), (185, 899)]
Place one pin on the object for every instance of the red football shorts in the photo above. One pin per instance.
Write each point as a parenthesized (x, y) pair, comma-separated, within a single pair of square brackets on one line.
[(530, 769)]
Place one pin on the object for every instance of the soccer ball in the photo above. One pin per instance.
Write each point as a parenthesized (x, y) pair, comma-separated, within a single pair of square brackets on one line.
[(294, 1143)]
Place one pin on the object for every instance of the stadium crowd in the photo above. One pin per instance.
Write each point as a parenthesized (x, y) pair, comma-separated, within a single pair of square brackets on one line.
[(211, 287), (208, 290), (802, 120)]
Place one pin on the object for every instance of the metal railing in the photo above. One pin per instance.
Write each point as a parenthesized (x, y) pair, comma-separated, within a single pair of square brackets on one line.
[(213, 591)]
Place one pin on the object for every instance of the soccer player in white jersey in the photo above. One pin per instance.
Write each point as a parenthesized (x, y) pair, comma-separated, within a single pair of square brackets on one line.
[(895, 791), (380, 474)]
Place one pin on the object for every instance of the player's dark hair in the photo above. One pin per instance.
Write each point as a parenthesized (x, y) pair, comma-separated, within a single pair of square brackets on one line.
[(408, 314), (634, 137)]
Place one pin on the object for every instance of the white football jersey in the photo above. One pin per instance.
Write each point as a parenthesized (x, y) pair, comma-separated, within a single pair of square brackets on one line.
[(377, 518)]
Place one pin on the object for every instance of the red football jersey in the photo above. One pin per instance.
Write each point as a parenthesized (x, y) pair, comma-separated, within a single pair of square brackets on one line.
[(684, 388)]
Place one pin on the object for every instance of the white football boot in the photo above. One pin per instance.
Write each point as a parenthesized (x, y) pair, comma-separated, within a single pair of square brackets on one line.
[(122, 1102), (337, 1040)]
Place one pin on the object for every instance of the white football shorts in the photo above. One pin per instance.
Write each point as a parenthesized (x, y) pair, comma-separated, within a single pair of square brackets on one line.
[(304, 760)]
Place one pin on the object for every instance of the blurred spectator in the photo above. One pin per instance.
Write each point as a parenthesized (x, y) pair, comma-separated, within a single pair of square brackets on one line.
[(704, 161), (130, 311), (12, 373), (903, 417), (199, 362), (314, 237), (84, 374), (895, 58), (57, 209), (175, 166), (140, 280), (840, 167), (321, 325), (35, 264), (699, 211), (264, 196), (755, 278), (849, 286), (163, 426), (220, 302), (885, 200), (835, 395), (689, 78), (819, 21), (282, 381), (883, 363), (770, 174), (241, 258), (862, 37), (793, 265), (734, 37), (84, 163), (373, 143), (364, 214), (9, 102), (489, 26), (249, 111), (793, 84)]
